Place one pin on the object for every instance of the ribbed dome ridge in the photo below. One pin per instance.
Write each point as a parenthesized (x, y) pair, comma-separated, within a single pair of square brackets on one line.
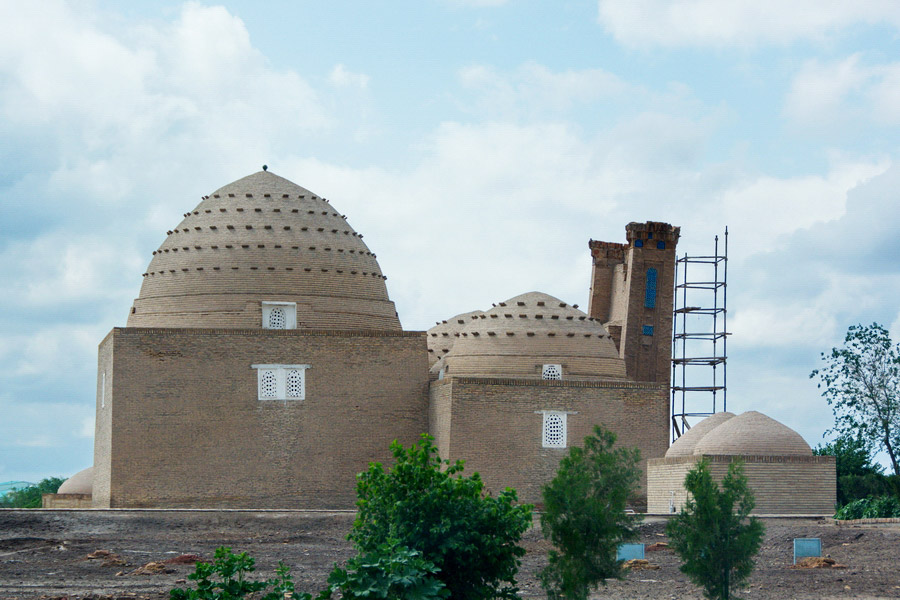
[(518, 336), (263, 238), (684, 446), (753, 434)]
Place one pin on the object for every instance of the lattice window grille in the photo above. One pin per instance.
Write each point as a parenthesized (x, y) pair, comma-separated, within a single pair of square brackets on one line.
[(276, 318), (279, 315), (281, 382), (294, 384), (554, 430), (552, 372), (268, 384)]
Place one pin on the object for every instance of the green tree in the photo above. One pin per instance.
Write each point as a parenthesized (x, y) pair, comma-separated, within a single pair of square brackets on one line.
[(858, 476), (30, 497), (861, 382), (584, 515), (425, 504), (713, 535)]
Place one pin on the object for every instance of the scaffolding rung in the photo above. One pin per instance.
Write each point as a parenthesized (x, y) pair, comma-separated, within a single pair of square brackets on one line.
[(702, 259), (699, 388), (699, 360), (700, 285), (701, 335), (700, 310)]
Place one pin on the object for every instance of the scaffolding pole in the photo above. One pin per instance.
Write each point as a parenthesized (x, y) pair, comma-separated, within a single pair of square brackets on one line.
[(699, 337)]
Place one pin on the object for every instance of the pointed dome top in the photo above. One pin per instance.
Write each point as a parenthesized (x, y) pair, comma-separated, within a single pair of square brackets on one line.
[(753, 434), (684, 446), (518, 336), (261, 239)]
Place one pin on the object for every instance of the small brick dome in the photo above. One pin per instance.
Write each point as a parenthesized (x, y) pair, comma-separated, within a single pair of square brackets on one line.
[(684, 446), (442, 336), (81, 482), (753, 434), (517, 337), (263, 238)]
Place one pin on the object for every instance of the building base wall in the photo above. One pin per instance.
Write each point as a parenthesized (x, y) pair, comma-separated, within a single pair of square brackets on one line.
[(186, 428), (66, 501), (496, 425), (782, 485)]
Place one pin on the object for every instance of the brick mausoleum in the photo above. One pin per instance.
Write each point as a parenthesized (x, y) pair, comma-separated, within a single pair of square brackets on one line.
[(263, 364)]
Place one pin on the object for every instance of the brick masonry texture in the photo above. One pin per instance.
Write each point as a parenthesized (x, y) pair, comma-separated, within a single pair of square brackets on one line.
[(781, 484), (497, 424), (190, 431)]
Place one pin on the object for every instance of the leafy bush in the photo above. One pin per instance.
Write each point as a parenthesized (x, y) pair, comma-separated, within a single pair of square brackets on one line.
[(584, 515), (30, 497), (224, 579), (858, 476), (424, 504), (881, 507), (712, 534), (391, 573)]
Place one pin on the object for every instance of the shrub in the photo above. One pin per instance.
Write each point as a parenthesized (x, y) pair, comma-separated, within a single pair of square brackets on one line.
[(584, 515), (31, 496), (424, 503), (224, 579), (390, 573), (881, 507), (713, 535)]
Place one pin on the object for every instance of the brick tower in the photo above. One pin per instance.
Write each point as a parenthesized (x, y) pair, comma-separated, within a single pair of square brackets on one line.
[(632, 294)]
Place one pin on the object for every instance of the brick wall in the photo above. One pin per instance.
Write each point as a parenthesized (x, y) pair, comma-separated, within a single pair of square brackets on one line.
[(66, 501), (781, 484), (496, 424), (185, 426)]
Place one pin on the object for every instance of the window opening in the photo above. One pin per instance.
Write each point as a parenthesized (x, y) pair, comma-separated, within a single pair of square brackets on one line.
[(281, 382), (661, 245), (553, 372), (650, 289), (638, 243), (554, 430), (279, 315)]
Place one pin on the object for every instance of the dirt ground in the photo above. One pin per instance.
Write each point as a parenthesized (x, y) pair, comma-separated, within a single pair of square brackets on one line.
[(43, 554)]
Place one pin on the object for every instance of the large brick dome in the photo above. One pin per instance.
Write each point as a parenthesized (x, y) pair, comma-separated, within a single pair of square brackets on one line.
[(518, 337), (263, 239), (684, 446), (753, 434)]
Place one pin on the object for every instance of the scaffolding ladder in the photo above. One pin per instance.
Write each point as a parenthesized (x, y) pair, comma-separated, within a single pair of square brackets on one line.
[(699, 337)]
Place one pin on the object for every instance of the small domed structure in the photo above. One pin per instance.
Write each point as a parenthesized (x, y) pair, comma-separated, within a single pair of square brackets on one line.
[(529, 333), (442, 336), (81, 482), (684, 446), (753, 433), (263, 238)]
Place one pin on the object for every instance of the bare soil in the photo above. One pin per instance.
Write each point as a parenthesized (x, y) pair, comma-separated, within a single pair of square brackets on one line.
[(43, 555)]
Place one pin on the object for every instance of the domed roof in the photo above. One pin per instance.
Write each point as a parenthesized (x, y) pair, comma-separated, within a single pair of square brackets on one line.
[(81, 482), (684, 446), (263, 238), (517, 337), (442, 336), (752, 434)]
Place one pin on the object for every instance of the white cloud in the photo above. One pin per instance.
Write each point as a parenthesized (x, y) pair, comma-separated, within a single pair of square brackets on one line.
[(341, 77), (844, 92), (765, 208), (738, 22)]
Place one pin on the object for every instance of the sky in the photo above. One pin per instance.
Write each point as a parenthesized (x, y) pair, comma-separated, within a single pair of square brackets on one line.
[(477, 144)]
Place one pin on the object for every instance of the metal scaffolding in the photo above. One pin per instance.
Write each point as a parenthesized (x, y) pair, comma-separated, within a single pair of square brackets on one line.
[(699, 337)]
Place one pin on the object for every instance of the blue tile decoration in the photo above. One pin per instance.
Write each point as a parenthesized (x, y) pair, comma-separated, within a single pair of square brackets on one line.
[(650, 290)]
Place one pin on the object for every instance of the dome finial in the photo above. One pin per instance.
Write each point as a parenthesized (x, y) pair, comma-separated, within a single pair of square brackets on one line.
[(265, 167)]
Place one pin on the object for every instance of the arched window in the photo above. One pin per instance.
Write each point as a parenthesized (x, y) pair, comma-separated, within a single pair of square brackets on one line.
[(554, 430), (276, 318), (552, 372), (650, 289)]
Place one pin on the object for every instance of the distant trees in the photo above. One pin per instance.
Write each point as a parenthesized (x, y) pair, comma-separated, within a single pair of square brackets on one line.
[(30, 497), (861, 382), (585, 518), (714, 535), (858, 476)]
